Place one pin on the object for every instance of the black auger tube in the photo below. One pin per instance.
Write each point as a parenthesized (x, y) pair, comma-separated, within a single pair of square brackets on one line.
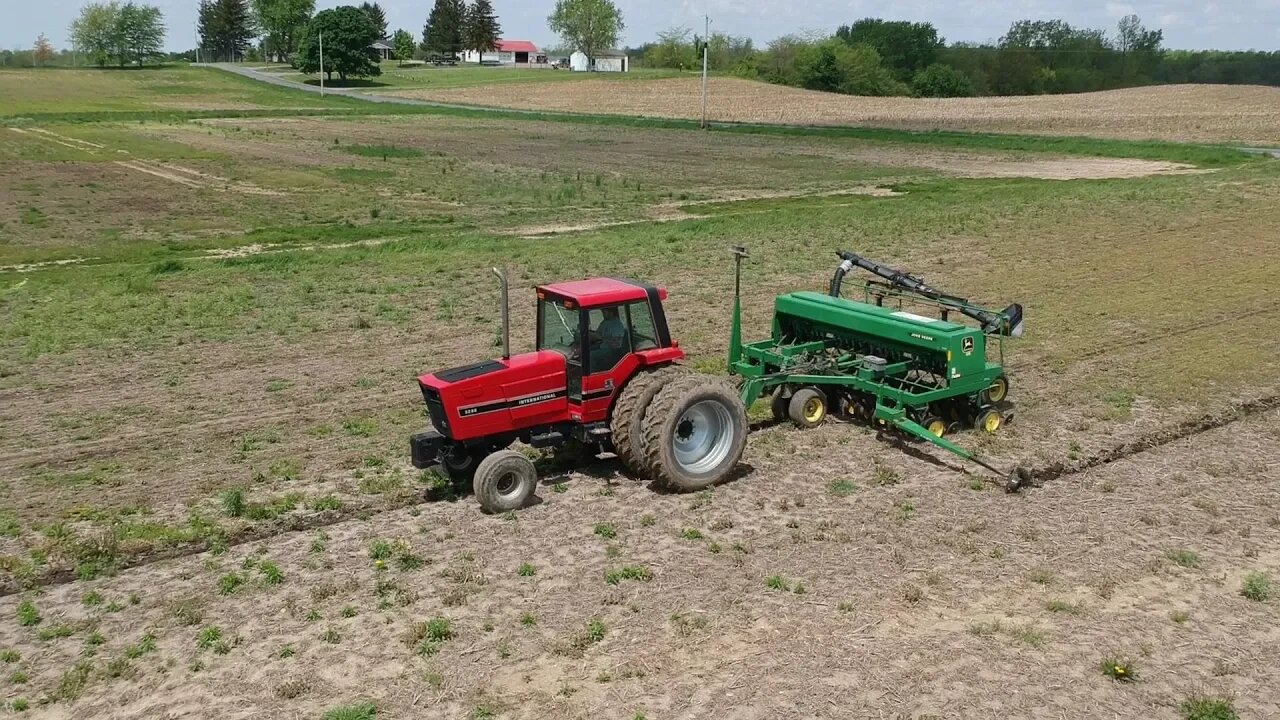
[(836, 281), (992, 322)]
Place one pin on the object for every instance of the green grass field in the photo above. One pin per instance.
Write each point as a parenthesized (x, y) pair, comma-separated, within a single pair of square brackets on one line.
[(211, 318)]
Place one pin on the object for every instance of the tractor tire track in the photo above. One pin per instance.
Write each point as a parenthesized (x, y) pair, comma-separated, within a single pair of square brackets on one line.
[(246, 535), (1038, 476), (228, 424)]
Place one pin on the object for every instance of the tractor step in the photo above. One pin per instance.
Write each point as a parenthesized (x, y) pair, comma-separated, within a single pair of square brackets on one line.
[(546, 440)]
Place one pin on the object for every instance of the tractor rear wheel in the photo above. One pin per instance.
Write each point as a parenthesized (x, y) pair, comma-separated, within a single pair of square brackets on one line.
[(694, 432), (807, 408), (504, 481), (629, 412)]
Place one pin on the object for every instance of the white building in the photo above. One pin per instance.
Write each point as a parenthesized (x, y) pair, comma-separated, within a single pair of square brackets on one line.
[(509, 52), (606, 61)]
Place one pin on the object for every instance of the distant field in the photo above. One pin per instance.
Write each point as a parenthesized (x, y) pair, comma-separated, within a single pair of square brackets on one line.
[(1202, 113), (177, 87)]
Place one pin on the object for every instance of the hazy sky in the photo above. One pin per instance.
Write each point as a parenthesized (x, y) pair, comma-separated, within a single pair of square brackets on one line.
[(1191, 24)]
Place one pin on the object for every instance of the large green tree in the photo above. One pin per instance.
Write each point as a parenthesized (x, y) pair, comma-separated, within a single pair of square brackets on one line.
[(904, 47), (225, 28), (674, 49), (126, 33), (349, 35), (1139, 49), (377, 15), (835, 66), (95, 31), (403, 42), (481, 29), (281, 23), (588, 26), (140, 33), (443, 34)]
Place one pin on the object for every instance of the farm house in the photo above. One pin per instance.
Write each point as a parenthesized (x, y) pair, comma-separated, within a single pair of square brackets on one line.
[(607, 61), (509, 52), (384, 49)]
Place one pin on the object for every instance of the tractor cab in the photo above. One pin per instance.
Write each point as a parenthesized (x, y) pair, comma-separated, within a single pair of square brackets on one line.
[(605, 329)]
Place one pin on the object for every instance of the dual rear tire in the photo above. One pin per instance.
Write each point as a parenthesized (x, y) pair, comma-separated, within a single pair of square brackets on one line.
[(694, 432)]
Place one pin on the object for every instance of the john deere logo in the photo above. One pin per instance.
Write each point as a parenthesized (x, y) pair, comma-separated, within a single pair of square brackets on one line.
[(966, 345)]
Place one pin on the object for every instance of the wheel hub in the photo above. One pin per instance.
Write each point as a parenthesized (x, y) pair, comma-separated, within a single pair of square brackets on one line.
[(813, 410), (703, 437), (508, 484)]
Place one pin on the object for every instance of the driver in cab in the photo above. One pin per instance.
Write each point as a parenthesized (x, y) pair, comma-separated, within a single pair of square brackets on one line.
[(608, 341)]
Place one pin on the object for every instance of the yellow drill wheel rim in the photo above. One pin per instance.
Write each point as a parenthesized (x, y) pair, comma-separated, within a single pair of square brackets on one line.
[(814, 410), (998, 390), (937, 427), (991, 422)]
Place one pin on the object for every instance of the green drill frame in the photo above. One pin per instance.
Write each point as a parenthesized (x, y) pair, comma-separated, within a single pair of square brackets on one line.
[(826, 342)]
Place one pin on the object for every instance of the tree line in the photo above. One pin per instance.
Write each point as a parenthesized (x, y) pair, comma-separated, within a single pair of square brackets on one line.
[(286, 30), (887, 57), (110, 32)]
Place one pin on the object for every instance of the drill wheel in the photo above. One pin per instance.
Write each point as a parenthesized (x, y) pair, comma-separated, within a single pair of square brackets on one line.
[(989, 421)]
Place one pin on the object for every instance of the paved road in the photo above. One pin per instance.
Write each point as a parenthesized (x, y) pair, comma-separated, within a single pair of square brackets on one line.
[(273, 79)]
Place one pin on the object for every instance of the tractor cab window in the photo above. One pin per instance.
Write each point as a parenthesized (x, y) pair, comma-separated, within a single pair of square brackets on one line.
[(644, 336), (610, 341), (558, 330)]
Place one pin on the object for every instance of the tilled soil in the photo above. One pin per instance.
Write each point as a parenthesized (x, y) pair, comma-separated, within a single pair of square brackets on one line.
[(905, 592), (1204, 113)]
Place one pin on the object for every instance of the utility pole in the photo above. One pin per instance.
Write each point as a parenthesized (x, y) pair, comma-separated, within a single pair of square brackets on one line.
[(321, 64), (706, 48)]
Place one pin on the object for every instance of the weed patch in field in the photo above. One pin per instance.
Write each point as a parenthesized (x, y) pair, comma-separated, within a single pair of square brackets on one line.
[(1207, 707), (381, 151), (628, 572), (1257, 586), (28, 615), (358, 711), (1120, 669)]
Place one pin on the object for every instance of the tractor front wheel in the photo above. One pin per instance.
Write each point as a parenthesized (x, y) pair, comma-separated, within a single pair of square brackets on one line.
[(504, 481), (807, 408), (694, 432)]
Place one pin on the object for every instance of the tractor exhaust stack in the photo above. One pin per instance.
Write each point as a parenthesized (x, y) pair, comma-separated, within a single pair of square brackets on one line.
[(506, 315)]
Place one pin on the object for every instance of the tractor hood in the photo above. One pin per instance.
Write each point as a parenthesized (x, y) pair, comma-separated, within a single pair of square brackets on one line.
[(494, 396)]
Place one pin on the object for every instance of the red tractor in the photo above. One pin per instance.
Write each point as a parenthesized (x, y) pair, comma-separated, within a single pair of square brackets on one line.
[(604, 374)]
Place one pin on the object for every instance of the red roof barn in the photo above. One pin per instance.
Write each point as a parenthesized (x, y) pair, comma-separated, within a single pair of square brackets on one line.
[(509, 52)]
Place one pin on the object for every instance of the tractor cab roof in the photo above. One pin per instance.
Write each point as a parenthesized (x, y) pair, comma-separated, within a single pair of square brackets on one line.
[(601, 291)]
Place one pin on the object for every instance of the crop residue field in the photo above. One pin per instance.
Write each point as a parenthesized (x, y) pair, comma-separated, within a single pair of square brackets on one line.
[(1204, 113)]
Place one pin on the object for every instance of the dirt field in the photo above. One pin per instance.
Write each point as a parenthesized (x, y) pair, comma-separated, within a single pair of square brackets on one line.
[(209, 331), (1203, 113)]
